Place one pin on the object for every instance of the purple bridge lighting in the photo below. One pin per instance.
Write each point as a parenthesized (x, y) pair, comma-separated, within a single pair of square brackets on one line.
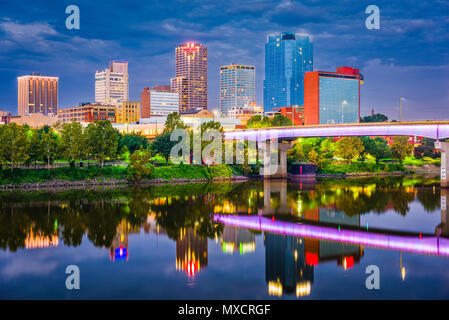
[(428, 129), (424, 245)]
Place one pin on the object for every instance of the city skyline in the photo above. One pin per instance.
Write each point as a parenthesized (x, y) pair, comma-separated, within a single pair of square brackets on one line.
[(407, 57)]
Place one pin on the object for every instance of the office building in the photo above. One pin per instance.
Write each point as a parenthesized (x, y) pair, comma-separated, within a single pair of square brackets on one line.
[(128, 112), (332, 97), (237, 86), (160, 101), (111, 85), (288, 56), (88, 113), (37, 94), (191, 76)]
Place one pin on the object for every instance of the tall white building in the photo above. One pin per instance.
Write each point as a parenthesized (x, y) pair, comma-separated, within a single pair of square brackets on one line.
[(111, 85)]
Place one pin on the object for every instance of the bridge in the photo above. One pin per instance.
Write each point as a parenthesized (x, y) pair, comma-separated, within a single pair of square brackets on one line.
[(428, 129)]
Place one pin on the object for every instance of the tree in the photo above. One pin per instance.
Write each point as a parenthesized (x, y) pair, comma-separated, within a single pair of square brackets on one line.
[(162, 145), (377, 148), (73, 141), (349, 148), (102, 140), (258, 121), (400, 148), (140, 166), (378, 117), (132, 141), (14, 144), (34, 151), (173, 122), (49, 146), (280, 120), (316, 158)]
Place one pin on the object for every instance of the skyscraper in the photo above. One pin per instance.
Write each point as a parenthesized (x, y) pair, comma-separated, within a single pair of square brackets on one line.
[(111, 85), (37, 94), (288, 56), (332, 97), (191, 76), (237, 86)]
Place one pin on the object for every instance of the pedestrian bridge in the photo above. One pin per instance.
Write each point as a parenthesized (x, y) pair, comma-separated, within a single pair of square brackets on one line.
[(428, 129)]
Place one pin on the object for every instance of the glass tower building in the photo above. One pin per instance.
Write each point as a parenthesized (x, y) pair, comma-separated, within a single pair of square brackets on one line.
[(332, 97), (288, 56), (237, 86)]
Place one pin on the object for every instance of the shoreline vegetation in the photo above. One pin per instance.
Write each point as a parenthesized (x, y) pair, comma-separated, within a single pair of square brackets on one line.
[(93, 176)]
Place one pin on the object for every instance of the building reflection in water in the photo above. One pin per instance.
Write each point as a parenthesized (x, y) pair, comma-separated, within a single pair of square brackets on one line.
[(119, 247), (191, 252), (238, 239), (35, 239), (286, 270)]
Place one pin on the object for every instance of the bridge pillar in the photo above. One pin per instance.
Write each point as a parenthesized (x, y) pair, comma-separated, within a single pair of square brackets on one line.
[(444, 149), (269, 168)]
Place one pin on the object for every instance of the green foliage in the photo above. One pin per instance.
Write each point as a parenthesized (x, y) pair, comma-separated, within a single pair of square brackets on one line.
[(378, 117), (139, 165), (73, 141), (162, 145), (377, 148), (14, 144), (192, 172), (280, 120), (49, 146), (258, 121), (400, 148), (353, 167), (349, 148), (132, 141), (173, 122), (102, 140), (19, 176)]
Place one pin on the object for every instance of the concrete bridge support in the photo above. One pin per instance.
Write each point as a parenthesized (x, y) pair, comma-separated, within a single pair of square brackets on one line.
[(270, 187), (443, 228), (444, 149), (275, 165)]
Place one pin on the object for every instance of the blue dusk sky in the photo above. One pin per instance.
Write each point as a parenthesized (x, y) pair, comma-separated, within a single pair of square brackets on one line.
[(408, 57)]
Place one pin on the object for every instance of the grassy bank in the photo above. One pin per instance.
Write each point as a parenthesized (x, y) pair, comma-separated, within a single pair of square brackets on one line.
[(359, 167), (20, 176)]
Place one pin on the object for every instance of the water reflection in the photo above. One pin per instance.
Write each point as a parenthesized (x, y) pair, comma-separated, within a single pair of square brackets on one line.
[(302, 225)]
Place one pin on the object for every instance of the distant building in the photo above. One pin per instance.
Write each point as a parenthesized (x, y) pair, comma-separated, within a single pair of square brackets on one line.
[(288, 56), (246, 112), (111, 85), (37, 94), (128, 112), (237, 86), (332, 97), (159, 102), (5, 116), (197, 113), (34, 120), (88, 113), (294, 113), (191, 76)]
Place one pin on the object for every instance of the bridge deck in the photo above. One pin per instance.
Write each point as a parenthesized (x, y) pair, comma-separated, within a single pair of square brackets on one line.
[(428, 129)]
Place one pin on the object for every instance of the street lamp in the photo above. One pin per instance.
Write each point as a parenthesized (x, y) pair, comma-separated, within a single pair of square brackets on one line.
[(342, 104)]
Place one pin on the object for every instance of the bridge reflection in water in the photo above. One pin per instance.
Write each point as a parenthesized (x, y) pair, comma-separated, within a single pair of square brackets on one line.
[(293, 249)]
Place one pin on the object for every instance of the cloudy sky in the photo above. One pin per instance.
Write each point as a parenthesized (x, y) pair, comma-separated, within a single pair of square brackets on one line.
[(408, 57)]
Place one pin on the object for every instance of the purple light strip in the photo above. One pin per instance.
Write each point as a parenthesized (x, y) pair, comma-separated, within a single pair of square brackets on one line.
[(429, 245), (431, 130)]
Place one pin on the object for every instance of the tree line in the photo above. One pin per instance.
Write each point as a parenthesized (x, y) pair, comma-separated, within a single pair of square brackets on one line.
[(70, 142)]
